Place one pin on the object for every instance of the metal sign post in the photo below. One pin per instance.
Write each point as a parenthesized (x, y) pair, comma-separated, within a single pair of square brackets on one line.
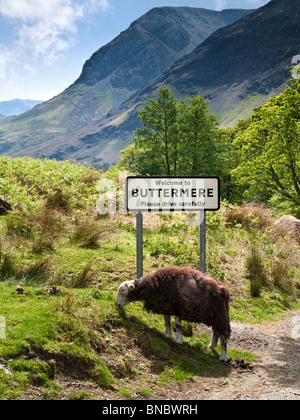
[(153, 194), (203, 241), (139, 245)]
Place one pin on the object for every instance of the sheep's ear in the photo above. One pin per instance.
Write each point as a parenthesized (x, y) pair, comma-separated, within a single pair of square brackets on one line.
[(131, 287)]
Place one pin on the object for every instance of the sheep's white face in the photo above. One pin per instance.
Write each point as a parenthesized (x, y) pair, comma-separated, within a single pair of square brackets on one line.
[(122, 294)]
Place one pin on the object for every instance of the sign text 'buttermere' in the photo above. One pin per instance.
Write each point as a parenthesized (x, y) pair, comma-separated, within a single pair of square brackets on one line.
[(172, 194)]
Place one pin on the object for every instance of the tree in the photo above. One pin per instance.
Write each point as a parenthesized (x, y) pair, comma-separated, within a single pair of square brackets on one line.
[(270, 148), (127, 161), (156, 143), (197, 130), (228, 158), (176, 138)]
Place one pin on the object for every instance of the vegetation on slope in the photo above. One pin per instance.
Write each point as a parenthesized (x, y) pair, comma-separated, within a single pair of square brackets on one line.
[(258, 159), (113, 73), (61, 264)]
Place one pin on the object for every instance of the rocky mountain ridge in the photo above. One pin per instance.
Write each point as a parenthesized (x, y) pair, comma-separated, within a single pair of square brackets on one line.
[(114, 73), (236, 68)]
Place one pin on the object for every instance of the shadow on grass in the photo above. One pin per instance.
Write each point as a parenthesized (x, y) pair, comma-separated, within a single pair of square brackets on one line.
[(180, 361)]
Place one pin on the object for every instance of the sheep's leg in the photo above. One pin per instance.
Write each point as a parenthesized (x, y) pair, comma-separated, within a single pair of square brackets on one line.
[(214, 341), (179, 337), (168, 332), (223, 340)]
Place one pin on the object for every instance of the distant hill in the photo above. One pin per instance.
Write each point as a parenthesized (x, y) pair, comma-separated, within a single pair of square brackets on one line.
[(114, 73), (17, 106)]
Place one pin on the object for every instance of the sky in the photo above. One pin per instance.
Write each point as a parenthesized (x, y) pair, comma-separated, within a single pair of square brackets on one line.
[(44, 43)]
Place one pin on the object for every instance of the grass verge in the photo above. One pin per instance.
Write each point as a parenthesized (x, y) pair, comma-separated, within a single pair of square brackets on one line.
[(60, 266)]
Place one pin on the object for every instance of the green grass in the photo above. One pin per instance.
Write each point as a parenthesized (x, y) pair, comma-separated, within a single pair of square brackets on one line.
[(43, 331), (27, 183), (54, 242)]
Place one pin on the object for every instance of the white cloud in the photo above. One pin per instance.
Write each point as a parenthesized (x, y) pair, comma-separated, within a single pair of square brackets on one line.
[(48, 27), (2, 67), (38, 34), (220, 4)]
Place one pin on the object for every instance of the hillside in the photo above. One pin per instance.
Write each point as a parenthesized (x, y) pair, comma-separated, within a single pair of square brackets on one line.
[(61, 265), (237, 68), (242, 64), (228, 68), (116, 71)]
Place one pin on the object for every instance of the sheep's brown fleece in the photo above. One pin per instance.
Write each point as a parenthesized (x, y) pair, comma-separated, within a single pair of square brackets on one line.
[(186, 293)]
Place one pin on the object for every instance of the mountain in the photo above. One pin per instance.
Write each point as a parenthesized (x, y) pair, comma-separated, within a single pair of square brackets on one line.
[(240, 65), (113, 73), (237, 68), (17, 106)]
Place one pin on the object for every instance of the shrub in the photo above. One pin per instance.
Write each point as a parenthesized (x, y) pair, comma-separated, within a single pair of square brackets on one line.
[(250, 216), (86, 234), (9, 268), (255, 272), (38, 273), (59, 200), (42, 227), (18, 226), (84, 278), (174, 251), (281, 276)]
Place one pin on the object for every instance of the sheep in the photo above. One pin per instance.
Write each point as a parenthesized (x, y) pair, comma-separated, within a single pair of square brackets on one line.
[(185, 293)]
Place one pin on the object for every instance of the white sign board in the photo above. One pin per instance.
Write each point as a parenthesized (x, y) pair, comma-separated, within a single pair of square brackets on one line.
[(144, 194)]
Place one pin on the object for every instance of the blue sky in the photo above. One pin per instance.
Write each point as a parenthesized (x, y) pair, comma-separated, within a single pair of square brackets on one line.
[(44, 43)]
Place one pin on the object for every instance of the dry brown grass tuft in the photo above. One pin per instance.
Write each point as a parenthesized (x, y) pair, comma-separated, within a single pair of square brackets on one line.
[(250, 215), (59, 201), (41, 228), (256, 272), (87, 233), (92, 177), (84, 278), (281, 275)]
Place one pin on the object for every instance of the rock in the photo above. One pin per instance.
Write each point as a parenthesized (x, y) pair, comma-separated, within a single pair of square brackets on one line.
[(4, 207), (20, 291), (53, 290), (239, 364), (4, 369), (289, 225)]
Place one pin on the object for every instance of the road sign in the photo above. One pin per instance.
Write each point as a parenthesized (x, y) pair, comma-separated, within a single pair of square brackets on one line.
[(165, 194), (150, 194)]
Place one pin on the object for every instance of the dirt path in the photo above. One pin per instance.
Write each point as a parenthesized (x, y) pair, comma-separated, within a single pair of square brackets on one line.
[(275, 377)]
